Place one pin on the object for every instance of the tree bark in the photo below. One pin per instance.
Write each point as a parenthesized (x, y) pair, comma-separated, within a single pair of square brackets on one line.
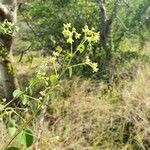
[(105, 28), (104, 21), (8, 11)]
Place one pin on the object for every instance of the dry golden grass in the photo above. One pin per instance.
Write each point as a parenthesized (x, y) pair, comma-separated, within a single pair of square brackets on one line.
[(87, 115), (5, 137), (86, 119)]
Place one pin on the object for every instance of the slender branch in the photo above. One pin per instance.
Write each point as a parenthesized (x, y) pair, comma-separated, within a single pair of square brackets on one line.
[(41, 124), (23, 52), (27, 22)]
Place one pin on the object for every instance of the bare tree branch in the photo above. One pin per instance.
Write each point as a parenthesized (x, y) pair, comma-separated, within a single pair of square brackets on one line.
[(27, 22)]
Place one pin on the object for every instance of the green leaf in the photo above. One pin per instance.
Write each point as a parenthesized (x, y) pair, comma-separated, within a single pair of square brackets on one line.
[(17, 93), (2, 107), (12, 131), (24, 99), (12, 127), (70, 72), (46, 82), (12, 148), (26, 138), (11, 123), (53, 79)]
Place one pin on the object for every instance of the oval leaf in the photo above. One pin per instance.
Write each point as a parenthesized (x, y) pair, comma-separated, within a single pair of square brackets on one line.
[(12, 130), (2, 107), (26, 138), (11, 127), (12, 148), (17, 93), (24, 99)]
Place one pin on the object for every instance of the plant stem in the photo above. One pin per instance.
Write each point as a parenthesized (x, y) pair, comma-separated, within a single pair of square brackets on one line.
[(41, 124)]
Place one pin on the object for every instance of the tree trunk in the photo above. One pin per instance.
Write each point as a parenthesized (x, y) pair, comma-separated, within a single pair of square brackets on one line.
[(8, 11), (105, 28), (8, 79)]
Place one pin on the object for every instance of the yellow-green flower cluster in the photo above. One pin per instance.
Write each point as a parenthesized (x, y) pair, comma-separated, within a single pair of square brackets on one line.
[(69, 33), (91, 64), (54, 57), (90, 35)]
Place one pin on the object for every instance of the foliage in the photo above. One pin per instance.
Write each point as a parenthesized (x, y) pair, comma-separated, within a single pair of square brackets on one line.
[(47, 18), (50, 83), (101, 115), (6, 27), (131, 21)]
